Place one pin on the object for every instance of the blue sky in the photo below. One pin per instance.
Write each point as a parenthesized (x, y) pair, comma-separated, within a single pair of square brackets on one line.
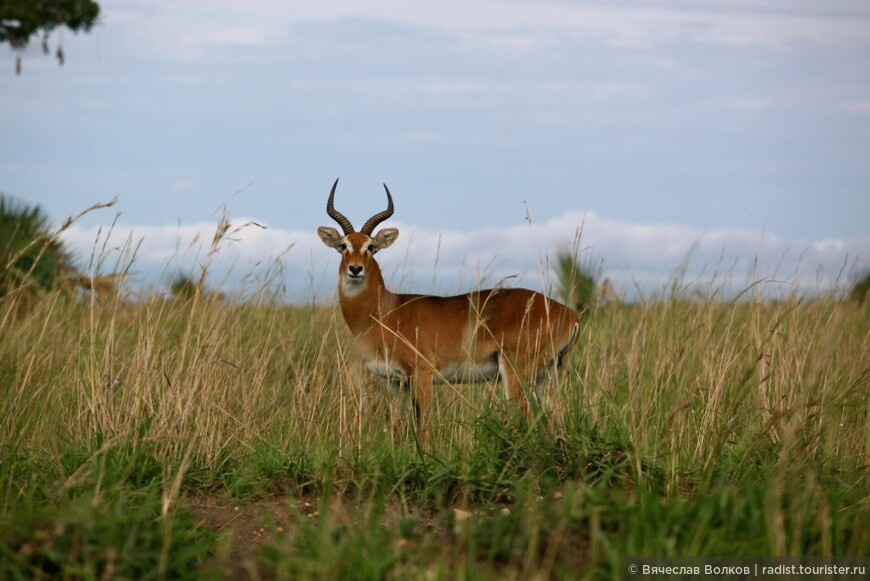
[(730, 130)]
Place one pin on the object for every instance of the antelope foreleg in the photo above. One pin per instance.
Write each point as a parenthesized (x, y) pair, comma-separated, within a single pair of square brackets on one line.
[(422, 395), (513, 386)]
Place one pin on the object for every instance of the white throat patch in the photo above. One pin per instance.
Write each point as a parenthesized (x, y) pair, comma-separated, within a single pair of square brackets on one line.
[(352, 286)]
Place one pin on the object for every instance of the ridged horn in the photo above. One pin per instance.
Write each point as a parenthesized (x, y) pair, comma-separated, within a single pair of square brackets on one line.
[(336, 215), (380, 216)]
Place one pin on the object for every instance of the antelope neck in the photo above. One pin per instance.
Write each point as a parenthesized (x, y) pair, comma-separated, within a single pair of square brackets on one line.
[(362, 308)]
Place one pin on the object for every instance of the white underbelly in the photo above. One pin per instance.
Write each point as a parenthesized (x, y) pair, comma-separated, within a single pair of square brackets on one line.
[(466, 372), (385, 369), (469, 372)]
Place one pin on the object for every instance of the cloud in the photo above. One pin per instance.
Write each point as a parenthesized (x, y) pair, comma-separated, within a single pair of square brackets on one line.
[(192, 28), (185, 186), (232, 37), (637, 257), (750, 104)]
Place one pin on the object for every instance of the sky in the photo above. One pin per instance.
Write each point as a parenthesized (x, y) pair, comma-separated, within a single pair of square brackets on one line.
[(729, 140)]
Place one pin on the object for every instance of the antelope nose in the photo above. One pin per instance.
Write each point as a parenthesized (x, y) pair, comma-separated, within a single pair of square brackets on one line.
[(355, 270)]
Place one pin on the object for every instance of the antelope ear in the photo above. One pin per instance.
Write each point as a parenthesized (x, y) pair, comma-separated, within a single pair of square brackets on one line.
[(330, 236), (385, 238)]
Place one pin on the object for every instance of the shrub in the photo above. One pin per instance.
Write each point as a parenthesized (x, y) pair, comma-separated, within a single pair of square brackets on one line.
[(30, 253), (860, 288), (577, 280)]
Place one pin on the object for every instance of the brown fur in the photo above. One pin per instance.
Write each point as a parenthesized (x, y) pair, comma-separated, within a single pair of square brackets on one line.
[(421, 337), (105, 286)]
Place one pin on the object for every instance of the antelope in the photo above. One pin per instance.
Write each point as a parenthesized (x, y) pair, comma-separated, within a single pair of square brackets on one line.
[(516, 334), (104, 287)]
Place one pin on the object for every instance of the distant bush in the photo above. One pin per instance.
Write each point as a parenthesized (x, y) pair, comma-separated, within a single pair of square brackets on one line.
[(183, 287), (30, 253), (860, 288), (577, 280)]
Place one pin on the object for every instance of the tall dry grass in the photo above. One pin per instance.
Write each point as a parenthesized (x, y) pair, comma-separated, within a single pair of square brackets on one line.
[(678, 425), (683, 380), (686, 378), (686, 424)]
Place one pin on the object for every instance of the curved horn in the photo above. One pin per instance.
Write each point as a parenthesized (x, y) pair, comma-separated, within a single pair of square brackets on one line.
[(336, 215), (380, 216)]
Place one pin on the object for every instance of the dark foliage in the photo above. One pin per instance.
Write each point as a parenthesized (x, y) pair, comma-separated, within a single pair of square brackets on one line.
[(29, 253)]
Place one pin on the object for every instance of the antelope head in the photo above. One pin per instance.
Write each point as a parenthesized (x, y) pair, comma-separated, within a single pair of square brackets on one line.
[(357, 249)]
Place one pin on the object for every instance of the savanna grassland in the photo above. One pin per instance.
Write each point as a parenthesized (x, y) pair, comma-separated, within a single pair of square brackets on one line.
[(205, 438)]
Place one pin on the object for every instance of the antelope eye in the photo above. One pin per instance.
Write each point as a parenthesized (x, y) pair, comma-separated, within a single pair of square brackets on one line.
[(342, 246), (371, 248)]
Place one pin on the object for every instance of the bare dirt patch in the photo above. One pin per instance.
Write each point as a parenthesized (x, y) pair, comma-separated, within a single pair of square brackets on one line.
[(413, 542), (243, 528)]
